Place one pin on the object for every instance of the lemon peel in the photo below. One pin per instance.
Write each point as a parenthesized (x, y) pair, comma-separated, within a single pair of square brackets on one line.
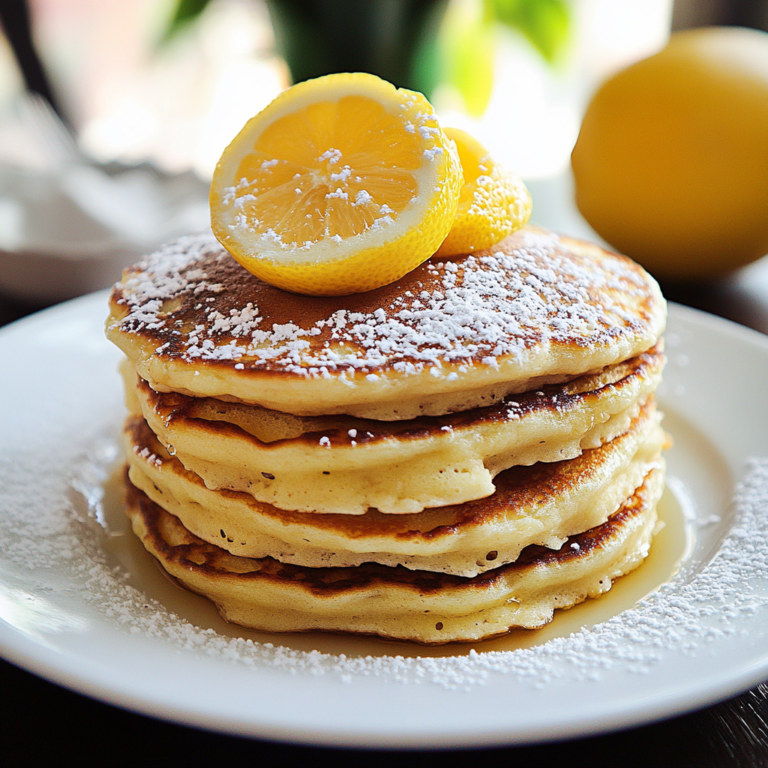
[(493, 202)]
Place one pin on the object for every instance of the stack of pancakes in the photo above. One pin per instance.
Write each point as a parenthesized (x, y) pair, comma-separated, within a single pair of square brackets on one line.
[(445, 458)]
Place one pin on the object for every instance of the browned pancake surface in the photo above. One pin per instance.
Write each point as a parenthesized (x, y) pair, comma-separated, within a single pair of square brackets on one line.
[(176, 545), (223, 418), (518, 488), (192, 302)]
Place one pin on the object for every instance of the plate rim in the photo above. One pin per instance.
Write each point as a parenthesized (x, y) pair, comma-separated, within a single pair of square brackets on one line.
[(34, 658)]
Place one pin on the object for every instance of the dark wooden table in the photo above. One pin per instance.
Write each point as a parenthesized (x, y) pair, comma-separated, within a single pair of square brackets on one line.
[(38, 714)]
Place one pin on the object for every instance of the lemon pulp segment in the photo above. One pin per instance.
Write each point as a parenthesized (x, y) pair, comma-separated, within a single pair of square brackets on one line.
[(305, 193)]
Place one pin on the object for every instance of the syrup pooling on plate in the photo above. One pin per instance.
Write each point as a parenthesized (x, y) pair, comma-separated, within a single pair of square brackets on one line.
[(671, 549), (164, 611), (37, 530)]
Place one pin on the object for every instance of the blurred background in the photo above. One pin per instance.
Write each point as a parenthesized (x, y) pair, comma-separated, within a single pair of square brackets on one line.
[(113, 114), (172, 81)]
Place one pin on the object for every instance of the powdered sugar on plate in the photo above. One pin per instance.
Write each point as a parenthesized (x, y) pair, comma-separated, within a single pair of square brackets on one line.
[(70, 612), (43, 530)]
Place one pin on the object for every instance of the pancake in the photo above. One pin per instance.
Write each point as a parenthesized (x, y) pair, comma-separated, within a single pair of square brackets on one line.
[(541, 504), (395, 467), (420, 606), (450, 336), (442, 459)]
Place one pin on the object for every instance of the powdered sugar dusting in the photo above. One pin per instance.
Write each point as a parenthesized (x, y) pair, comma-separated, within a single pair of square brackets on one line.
[(477, 311), (42, 531), (330, 197)]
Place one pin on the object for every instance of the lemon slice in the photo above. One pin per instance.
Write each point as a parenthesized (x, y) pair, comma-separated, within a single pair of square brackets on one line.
[(341, 185), (493, 202)]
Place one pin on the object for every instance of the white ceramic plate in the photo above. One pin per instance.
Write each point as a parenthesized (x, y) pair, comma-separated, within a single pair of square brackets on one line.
[(82, 604)]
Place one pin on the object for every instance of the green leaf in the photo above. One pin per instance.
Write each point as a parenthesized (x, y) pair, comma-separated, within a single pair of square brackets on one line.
[(546, 24), (426, 65), (467, 53), (185, 13), (384, 37)]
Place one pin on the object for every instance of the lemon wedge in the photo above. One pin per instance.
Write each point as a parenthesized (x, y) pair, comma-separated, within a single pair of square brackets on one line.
[(341, 185), (493, 202)]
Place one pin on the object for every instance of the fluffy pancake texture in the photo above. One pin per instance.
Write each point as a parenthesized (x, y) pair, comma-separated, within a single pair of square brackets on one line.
[(432, 608), (541, 504), (443, 459), (396, 467), (450, 336)]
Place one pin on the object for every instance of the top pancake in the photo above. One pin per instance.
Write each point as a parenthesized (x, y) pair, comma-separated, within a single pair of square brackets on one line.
[(449, 336)]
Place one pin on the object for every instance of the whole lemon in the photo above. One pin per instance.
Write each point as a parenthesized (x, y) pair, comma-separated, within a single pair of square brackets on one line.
[(671, 164)]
